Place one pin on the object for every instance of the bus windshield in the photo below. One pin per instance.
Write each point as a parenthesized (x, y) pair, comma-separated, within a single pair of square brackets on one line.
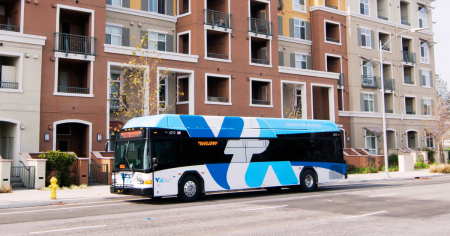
[(136, 153)]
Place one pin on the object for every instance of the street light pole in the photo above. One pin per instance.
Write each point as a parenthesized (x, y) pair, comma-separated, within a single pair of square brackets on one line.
[(383, 103)]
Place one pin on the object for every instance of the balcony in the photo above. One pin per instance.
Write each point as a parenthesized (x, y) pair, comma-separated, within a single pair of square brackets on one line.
[(78, 44), (408, 80), (332, 40), (217, 56), (389, 84), (217, 99), (341, 80), (12, 28), (65, 89), (410, 112), (389, 111), (218, 19), (260, 61), (405, 21), (382, 17), (259, 26), (260, 102), (9, 85), (409, 57), (369, 81), (331, 6)]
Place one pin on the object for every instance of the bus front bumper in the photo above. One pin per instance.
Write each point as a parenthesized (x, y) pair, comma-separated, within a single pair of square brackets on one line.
[(147, 192)]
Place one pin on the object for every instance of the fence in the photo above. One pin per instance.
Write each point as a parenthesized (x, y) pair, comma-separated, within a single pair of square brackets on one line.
[(99, 173), (23, 177)]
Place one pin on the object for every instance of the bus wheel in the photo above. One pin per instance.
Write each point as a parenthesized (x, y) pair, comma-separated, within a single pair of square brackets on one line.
[(308, 181), (189, 189)]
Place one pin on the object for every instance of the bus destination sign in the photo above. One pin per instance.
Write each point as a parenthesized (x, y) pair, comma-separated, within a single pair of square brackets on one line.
[(131, 134), (207, 143)]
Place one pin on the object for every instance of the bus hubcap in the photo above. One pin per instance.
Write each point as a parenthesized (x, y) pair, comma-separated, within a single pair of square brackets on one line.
[(190, 188), (309, 181)]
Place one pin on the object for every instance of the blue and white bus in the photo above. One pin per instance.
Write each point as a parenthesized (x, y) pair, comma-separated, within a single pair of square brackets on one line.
[(188, 155)]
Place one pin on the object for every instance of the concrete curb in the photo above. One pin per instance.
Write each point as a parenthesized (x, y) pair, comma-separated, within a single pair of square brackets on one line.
[(50, 202), (390, 179)]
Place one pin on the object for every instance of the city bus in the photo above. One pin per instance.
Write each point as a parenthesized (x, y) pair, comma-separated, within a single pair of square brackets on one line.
[(190, 155)]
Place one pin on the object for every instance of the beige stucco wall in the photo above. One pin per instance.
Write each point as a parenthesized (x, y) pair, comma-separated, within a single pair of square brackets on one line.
[(287, 48)]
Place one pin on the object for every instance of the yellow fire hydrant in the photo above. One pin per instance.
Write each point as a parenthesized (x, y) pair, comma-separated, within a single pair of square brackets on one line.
[(53, 187)]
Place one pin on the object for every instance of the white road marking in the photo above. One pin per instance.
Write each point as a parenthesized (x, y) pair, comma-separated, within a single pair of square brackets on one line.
[(366, 214), (59, 230), (60, 209), (256, 209), (392, 194)]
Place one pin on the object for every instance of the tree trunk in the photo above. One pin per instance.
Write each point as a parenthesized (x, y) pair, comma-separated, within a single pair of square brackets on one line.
[(439, 153)]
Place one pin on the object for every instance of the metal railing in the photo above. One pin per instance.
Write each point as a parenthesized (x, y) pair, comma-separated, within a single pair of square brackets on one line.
[(405, 21), (12, 28), (260, 61), (79, 44), (369, 81), (410, 112), (260, 102), (184, 11), (183, 98), (99, 173), (331, 6), (332, 40), (409, 57), (218, 19), (382, 17), (389, 84), (389, 111), (341, 80), (23, 176), (217, 99), (65, 89), (9, 85), (259, 26), (217, 55), (407, 79)]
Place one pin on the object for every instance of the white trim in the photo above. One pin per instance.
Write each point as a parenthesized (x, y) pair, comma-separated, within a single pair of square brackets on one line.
[(206, 46), (376, 141), (378, 115), (332, 55), (157, 31), (250, 53), (191, 85), (271, 92), (413, 70), (56, 123), (114, 24), (304, 97), (73, 56), (22, 15), (327, 9), (18, 123), (178, 40), (218, 29), (370, 41), (373, 101), (331, 100), (229, 89), (344, 138), (304, 6), (325, 31), (294, 40), (418, 137), (300, 19), (19, 76), (390, 43), (178, 10), (16, 37), (147, 14), (415, 105), (150, 53), (313, 73), (91, 82), (178, 86)]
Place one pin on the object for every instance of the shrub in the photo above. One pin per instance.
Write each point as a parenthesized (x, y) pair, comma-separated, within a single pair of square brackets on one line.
[(442, 168), (6, 189), (59, 163), (393, 159), (421, 165), (351, 168), (391, 168), (365, 170), (430, 155)]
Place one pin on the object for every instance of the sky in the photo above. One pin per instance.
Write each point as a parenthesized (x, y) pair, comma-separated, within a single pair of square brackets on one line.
[(442, 35)]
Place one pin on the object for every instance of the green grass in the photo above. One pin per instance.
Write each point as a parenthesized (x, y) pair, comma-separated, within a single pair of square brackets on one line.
[(364, 170), (391, 168)]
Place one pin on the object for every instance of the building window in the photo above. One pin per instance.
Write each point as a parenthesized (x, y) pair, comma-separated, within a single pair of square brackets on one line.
[(115, 91), (364, 7), (429, 140), (218, 89), (299, 29), (427, 107), (298, 102), (332, 32), (113, 35), (367, 70), (371, 142), (183, 89), (422, 16), (368, 102), (157, 41), (158, 6), (299, 5), (116, 3), (163, 92), (261, 92), (426, 80), (300, 61), (424, 53), (366, 38)]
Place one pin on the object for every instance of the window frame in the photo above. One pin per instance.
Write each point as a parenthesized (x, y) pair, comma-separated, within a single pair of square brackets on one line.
[(429, 139), (300, 28), (422, 16), (166, 87), (426, 50), (178, 89), (119, 81), (427, 79), (429, 106), (229, 89), (120, 36), (325, 31), (150, 41), (370, 102), (112, 3), (414, 105), (299, 6), (379, 39), (367, 38), (369, 136), (365, 5), (306, 60), (268, 93)]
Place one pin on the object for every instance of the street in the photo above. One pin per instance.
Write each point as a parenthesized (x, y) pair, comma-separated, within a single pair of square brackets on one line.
[(397, 207)]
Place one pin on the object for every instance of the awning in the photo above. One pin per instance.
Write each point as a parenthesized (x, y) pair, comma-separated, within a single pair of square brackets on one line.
[(370, 59), (374, 130)]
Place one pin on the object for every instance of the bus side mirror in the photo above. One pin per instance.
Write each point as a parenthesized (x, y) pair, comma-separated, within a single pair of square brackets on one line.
[(106, 146), (154, 161)]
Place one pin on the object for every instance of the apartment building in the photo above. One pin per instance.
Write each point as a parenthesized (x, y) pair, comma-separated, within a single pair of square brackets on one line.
[(407, 70), (20, 82)]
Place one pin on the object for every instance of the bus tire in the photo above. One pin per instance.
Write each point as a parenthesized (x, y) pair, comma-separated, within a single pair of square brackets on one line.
[(189, 189), (308, 181)]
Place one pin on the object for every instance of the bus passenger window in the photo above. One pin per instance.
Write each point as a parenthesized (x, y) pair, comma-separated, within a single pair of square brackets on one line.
[(163, 150)]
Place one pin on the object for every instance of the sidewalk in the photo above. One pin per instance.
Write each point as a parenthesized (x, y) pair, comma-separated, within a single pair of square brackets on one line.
[(32, 197), (424, 173)]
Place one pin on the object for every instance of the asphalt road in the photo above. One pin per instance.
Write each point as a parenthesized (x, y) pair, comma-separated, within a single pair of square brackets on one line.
[(407, 207)]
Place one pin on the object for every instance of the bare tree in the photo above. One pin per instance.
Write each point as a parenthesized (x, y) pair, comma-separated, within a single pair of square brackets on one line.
[(293, 109)]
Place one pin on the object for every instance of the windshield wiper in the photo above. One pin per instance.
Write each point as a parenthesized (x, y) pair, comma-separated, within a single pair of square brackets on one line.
[(126, 157)]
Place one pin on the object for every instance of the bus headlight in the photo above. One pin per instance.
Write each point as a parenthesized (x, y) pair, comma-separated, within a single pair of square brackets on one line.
[(148, 182), (140, 181)]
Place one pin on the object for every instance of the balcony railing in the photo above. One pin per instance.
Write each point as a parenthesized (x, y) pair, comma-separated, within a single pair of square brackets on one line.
[(405, 21), (407, 79), (12, 28), (332, 40), (389, 111), (259, 26), (78, 44), (331, 6), (218, 19), (382, 17), (9, 85), (386, 49), (217, 99), (65, 89), (410, 112), (389, 84), (260, 61), (369, 81), (183, 98), (217, 55), (184, 11), (409, 57), (260, 102), (341, 80)]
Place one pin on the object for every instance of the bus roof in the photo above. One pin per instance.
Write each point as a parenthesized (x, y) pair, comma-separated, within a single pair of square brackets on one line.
[(232, 127)]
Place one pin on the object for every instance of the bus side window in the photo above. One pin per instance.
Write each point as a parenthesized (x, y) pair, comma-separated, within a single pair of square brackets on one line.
[(163, 150)]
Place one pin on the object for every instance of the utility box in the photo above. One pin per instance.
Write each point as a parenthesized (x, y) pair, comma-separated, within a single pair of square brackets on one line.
[(405, 163)]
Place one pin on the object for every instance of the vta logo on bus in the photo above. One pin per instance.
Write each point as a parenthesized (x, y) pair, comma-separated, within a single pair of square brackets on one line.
[(159, 180)]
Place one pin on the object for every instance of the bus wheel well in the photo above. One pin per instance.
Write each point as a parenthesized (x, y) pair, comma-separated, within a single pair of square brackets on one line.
[(196, 174), (309, 168)]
